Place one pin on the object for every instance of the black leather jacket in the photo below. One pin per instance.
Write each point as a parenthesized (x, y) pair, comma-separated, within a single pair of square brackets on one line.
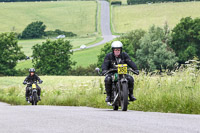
[(110, 61), (32, 79)]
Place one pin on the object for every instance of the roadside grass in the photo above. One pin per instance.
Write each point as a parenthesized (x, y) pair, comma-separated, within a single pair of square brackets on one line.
[(131, 17), (75, 16), (171, 94)]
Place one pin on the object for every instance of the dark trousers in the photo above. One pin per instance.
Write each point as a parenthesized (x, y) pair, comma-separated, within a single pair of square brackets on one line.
[(38, 91), (108, 83)]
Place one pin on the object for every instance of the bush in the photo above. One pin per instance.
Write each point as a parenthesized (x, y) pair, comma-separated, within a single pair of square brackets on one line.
[(34, 30), (116, 2), (10, 53), (53, 57), (59, 32)]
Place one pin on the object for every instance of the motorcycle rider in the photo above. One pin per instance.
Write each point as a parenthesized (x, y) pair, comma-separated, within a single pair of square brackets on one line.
[(32, 77), (112, 59)]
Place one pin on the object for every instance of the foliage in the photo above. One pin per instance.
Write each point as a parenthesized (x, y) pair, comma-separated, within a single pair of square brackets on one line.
[(133, 39), (154, 52), (59, 32), (115, 2), (186, 39), (84, 71), (34, 30), (53, 57), (10, 53)]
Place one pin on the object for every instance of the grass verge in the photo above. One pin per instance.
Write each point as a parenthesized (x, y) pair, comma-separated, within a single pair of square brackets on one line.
[(175, 94)]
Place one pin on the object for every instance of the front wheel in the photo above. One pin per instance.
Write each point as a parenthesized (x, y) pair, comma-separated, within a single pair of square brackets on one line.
[(34, 101), (124, 97), (116, 105)]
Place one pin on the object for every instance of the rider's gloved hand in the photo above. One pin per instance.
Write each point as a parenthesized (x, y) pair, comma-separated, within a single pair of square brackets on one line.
[(137, 72), (24, 82), (104, 71), (40, 81)]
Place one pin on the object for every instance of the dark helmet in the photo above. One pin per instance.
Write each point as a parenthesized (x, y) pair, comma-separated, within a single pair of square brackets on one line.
[(31, 70)]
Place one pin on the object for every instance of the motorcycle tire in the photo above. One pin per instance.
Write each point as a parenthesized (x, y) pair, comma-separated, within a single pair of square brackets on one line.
[(124, 97)]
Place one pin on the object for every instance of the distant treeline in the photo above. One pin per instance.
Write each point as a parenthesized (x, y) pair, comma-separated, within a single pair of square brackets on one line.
[(23, 0), (133, 2)]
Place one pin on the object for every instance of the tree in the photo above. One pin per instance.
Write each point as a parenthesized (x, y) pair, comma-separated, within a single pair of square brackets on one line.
[(133, 38), (186, 39), (154, 52), (53, 57), (10, 53), (34, 30)]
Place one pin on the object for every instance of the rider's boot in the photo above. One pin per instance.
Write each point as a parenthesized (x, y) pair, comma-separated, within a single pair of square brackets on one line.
[(39, 92), (131, 97), (26, 94), (108, 97)]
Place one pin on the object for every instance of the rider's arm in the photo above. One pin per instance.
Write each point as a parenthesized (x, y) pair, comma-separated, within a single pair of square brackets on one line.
[(129, 62), (40, 81), (26, 79), (105, 66)]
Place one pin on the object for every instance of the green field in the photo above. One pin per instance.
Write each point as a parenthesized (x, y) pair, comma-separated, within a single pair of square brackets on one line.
[(175, 94), (83, 57), (86, 57), (75, 42), (75, 16), (126, 18)]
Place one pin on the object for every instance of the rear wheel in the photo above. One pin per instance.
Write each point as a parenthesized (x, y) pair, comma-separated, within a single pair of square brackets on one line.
[(124, 97)]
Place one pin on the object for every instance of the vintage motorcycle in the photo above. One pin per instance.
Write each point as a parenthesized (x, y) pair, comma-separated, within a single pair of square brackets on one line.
[(33, 96), (120, 89)]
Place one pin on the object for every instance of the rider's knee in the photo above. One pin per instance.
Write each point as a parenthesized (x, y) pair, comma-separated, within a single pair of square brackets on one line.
[(108, 80)]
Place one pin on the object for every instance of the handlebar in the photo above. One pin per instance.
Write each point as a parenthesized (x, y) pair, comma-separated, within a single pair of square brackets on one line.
[(115, 70)]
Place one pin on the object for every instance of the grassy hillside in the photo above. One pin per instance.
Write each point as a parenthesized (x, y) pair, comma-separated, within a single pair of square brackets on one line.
[(75, 42), (126, 18), (83, 58), (178, 93), (76, 16)]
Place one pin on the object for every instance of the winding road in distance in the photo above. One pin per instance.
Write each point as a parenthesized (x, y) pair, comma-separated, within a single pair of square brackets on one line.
[(66, 119), (105, 25)]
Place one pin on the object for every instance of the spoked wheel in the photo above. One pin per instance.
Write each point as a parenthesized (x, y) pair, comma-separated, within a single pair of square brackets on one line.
[(116, 105), (34, 101), (124, 97)]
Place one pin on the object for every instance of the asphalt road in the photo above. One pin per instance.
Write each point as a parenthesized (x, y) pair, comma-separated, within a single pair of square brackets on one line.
[(64, 119), (105, 25)]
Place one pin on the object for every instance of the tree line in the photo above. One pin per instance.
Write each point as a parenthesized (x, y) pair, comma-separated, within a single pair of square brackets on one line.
[(159, 48)]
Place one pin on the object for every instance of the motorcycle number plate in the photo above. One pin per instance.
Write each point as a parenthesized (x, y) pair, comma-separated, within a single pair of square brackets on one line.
[(122, 68), (33, 86)]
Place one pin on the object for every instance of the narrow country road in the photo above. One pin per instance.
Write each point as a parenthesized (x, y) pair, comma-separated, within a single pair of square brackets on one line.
[(105, 25), (64, 119)]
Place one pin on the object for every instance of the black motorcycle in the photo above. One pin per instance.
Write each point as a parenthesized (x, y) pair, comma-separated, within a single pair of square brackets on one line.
[(33, 96), (120, 89)]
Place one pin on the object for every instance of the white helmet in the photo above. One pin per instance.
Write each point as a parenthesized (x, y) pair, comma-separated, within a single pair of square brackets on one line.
[(116, 44)]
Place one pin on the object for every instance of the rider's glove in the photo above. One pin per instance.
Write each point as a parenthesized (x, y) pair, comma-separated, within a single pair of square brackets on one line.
[(40, 81), (104, 71), (137, 72), (24, 82)]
